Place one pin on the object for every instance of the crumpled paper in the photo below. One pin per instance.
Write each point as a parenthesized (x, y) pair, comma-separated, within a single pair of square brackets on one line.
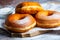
[(51, 6), (6, 11)]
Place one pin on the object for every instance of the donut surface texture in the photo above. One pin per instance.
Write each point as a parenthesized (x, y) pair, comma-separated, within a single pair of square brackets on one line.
[(28, 7), (48, 19), (20, 22)]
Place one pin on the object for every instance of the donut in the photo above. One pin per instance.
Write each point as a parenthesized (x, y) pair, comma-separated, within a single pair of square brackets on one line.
[(28, 7), (48, 19), (19, 22)]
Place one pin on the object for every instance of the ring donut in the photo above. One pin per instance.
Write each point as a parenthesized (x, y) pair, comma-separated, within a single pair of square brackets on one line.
[(20, 22), (48, 19), (28, 7)]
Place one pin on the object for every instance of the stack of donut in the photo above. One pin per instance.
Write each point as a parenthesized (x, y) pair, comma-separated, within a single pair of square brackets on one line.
[(23, 20)]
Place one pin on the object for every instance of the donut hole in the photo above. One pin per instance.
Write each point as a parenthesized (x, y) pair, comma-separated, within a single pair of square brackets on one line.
[(50, 13), (22, 18)]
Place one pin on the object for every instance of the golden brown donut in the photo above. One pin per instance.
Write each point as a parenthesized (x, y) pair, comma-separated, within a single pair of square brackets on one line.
[(48, 19), (20, 22), (28, 7)]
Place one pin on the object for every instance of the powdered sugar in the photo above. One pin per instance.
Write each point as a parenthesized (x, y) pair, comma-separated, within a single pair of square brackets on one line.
[(52, 17), (22, 21), (55, 16)]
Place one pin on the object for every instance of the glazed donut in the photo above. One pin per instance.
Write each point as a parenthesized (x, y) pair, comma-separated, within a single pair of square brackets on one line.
[(19, 22), (48, 19), (28, 7)]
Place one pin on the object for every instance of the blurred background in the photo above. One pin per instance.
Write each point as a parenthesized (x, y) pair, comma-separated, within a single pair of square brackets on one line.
[(13, 3)]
